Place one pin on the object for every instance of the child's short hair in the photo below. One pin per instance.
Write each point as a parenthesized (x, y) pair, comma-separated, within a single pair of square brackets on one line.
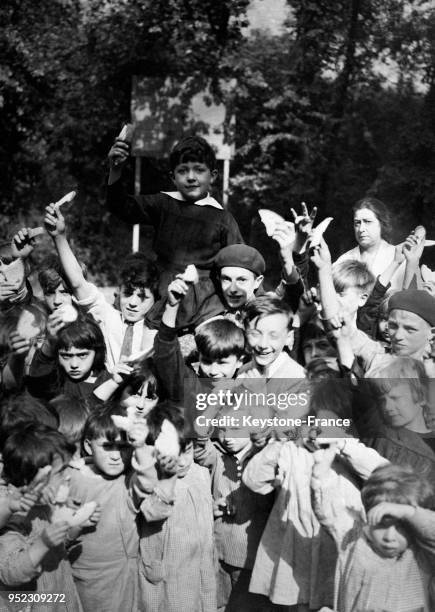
[(352, 273), (219, 339), (173, 413), (21, 409), (265, 306), (32, 447), (397, 485), (192, 149), (380, 211), (72, 413), (83, 333), (99, 423), (403, 370), (138, 271)]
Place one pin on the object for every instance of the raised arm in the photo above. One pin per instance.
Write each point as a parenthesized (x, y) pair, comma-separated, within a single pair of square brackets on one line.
[(56, 228)]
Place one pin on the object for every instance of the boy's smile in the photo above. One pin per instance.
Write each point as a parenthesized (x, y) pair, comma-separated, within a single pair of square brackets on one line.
[(267, 337), (135, 303), (193, 179)]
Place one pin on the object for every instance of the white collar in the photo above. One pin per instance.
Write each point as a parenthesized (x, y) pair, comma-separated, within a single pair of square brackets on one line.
[(207, 201)]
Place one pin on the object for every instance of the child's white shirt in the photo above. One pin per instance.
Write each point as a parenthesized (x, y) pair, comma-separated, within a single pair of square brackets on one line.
[(113, 327)]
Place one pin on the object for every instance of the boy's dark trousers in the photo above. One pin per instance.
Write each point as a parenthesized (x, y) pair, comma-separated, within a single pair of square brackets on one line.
[(233, 591)]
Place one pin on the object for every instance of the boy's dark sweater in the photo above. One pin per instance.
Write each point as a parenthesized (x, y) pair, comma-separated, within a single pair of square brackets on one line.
[(180, 383), (368, 315), (45, 381), (185, 233)]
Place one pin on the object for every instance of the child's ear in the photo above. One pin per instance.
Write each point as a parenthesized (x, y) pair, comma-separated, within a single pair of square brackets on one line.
[(87, 447), (290, 339), (258, 281), (214, 174), (363, 299)]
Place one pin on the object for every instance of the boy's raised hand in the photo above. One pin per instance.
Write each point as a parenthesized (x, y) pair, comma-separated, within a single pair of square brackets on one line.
[(54, 221), (121, 371), (321, 257), (397, 511), (177, 290), (118, 153), (23, 243), (285, 236), (303, 226), (414, 245), (138, 433), (168, 464)]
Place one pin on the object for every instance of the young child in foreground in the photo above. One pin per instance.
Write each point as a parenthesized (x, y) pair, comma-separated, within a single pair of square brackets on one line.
[(173, 497), (32, 546), (385, 554)]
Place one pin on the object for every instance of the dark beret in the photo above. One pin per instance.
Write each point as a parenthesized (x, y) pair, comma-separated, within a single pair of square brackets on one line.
[(419, 302), (240, 256)]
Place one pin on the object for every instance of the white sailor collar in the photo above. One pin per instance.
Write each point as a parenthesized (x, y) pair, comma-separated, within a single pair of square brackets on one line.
[(207, 201)]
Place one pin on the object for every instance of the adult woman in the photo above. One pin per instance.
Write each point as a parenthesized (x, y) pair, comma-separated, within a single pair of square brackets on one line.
[(372, 225)]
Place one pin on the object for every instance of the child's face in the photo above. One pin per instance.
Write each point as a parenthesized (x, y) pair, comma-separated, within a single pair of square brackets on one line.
[(193, 179), (409, 333), (351, 299), (315, 348), (110, 458), (383, 328), (267, 337), (389, 538), (185, 461), (138, 399), (367, 228), (58, 297), (399, 408), (76, 362), (135, 303), (225, 367), (233, 445), (238, 285)]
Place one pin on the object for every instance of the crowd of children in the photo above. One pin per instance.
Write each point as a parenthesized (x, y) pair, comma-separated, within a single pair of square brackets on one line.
[(193, 446)]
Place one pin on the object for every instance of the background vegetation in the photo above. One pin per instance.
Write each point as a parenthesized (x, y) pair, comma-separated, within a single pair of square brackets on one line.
[(339, 105)]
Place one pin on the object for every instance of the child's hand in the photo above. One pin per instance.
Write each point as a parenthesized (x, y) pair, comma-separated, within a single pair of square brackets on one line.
[(168, 464), (414, 245), (219, 507), (321, 257), (22, 243), (19, 345), (398, 511), (93, 519), (54, 221), (399, 256), (55, 534), (323, 459), (303, 226), (429, 287), (23, 502), (138, 433), (121, 371), (307, 306), (285, 236), (118, 153), (177, 290), (9, 291), (54, 324)]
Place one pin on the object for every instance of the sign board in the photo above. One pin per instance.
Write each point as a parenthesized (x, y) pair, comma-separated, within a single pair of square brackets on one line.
[(162, 112)]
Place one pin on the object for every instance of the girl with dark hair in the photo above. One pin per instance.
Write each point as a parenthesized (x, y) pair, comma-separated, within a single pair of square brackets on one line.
[(70, 361), (372, 227)]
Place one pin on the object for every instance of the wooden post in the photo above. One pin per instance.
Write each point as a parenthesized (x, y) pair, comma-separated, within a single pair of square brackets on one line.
[(136, 227)]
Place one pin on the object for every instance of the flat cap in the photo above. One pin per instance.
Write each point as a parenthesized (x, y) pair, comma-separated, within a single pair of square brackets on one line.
[(240, 256), (419, 302)]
